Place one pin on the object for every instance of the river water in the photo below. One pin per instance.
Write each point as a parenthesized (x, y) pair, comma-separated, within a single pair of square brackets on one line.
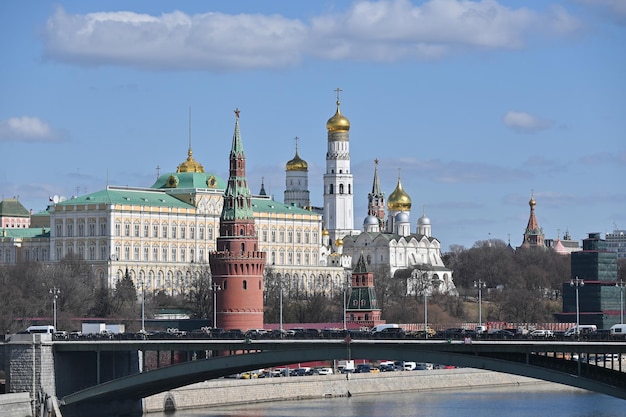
[(503, 402)]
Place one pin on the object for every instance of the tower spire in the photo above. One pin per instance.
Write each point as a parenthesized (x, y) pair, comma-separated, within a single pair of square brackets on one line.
[(237, 265), (533, 236), (376, 200)]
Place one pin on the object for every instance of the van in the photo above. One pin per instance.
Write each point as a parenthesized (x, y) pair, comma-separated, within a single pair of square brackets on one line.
[(381, 327), (582, 329), (409, 366), (40, 329), (618, 331)]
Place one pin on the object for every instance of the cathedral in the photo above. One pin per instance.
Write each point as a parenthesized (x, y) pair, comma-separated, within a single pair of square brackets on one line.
[(163, 234)]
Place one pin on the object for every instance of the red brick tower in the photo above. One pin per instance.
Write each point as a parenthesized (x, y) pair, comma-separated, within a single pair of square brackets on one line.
[(362, 308), (237, 265)]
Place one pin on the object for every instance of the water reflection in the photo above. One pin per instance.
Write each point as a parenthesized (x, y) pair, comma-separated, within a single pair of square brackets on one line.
[(509, 402)]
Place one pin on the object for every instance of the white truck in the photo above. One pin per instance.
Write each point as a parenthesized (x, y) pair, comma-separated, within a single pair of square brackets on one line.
[(102, 328), (618, 331), (345, 366)]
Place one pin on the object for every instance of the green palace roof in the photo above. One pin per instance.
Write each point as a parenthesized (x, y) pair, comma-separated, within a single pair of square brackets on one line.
[(127, 196), (11, 207), (262, 205), (190, 180), (21, 233)]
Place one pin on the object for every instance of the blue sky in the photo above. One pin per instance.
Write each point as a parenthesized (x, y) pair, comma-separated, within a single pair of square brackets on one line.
[(475, 104)]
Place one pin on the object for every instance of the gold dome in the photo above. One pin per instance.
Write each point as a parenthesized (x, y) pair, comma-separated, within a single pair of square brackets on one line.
[(297, 164), (190, 165), (325, 232), (339, 242), (338, 123), (399, 200)]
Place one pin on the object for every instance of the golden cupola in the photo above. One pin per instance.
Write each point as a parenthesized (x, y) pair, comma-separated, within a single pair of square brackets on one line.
[(190, 165), (338, 123), (399, 200), (297, 163)]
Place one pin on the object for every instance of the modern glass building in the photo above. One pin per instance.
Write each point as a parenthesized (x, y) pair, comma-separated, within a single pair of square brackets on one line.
[(594, 278)]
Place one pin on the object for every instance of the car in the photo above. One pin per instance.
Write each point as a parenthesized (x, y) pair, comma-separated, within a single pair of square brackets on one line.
[(469, 333), (423, 366), (363, 368), (502, 334), (453, 333), (541, 333), (386, 367), (301, 371), (390, 333), (325, 371)]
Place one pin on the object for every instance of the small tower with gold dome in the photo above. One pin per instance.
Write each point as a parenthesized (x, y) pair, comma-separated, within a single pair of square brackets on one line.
[(533, 235), (297, 181), (399, 206), (338, 179)]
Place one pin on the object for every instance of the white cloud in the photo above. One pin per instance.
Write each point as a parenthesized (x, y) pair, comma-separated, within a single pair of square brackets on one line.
[(28, 129), (525, 122), (377, 31)]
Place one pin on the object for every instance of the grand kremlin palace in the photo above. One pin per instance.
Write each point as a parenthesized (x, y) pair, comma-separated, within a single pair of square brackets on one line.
[(162, 235)]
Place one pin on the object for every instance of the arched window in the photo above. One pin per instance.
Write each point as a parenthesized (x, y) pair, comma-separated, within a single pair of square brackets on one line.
[(340, 188), (330, 189), (245, 284)]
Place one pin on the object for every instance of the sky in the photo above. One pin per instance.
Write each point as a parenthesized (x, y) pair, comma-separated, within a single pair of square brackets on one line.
[(475, 105)]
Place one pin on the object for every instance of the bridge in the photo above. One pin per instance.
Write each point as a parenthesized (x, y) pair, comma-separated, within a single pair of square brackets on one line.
[(545, 360)]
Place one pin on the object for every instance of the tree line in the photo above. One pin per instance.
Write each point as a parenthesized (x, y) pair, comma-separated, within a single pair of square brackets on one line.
[(520, 286)]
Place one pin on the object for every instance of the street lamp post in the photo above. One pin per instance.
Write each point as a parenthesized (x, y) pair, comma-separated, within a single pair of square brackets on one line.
[(55, 294), (480, 285), (577, 283), (216, 288), (281, 308), (621, 285), (143, 306), (425, 315), (344, 308)]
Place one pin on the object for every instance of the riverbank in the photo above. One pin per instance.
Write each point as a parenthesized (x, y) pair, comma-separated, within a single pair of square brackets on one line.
[(240, 391)]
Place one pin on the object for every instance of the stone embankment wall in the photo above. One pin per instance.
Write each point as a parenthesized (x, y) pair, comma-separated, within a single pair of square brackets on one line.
[(15, 405), (237, 391)]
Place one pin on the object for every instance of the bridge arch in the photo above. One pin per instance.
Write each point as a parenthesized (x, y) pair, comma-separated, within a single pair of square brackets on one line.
[(149, 383)]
